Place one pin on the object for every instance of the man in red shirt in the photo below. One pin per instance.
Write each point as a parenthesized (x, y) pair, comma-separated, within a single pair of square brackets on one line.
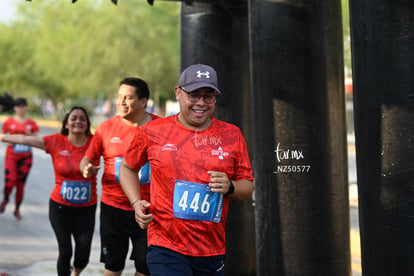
[(111, 140), (197, 164)]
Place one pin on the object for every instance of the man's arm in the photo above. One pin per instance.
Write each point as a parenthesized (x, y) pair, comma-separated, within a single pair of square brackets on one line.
[(130, 184), (243, 189)]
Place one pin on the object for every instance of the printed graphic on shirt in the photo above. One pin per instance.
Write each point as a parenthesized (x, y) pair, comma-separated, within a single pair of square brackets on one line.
[(115, 140), (220, 153), (169, 147), (64, 153)]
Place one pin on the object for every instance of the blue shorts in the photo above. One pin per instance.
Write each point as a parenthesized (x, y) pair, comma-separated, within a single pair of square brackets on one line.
[(162, 261)]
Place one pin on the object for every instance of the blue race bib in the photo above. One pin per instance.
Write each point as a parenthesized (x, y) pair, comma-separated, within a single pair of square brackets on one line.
[(196, 201), (118, 161), (144, 173), (18, 148), (76, 192)]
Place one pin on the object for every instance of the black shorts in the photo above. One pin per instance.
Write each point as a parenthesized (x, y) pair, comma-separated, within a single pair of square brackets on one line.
[(117, 228)]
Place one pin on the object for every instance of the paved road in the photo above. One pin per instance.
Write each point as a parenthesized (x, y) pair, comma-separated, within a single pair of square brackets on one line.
[(28, 247)]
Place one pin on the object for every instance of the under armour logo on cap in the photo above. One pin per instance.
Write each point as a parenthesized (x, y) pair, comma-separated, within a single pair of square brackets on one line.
[(205, 74), (197, 76)]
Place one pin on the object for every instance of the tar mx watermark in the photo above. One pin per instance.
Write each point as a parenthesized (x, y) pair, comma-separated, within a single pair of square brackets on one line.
[(286, 154)]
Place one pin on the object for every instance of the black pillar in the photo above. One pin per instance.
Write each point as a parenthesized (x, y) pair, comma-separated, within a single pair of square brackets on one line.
[(302, 211), (216, 34), (383, 70)]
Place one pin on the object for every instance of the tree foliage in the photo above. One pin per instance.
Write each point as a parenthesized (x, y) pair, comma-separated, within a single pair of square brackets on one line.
[(346, 37), (60, 50)]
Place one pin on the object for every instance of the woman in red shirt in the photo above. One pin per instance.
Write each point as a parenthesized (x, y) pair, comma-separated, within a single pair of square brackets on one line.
[(19, 158), (72, 205)]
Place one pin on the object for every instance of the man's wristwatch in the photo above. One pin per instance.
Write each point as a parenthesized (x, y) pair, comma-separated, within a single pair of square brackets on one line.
[(231, 188)]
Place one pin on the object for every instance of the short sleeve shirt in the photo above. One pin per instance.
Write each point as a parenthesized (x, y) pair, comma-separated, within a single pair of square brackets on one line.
[(111, 140), (179, 154), (71, 187), (13, 126)]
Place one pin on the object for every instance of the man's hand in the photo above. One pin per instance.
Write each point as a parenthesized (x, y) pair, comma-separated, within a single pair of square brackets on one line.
[(219, 182), (90, 170), (141, 215)]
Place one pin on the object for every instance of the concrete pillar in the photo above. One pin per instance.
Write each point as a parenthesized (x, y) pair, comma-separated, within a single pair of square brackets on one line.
[(299, 133), (383, 69)]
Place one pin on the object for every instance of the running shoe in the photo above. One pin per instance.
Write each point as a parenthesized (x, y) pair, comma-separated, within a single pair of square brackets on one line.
[(3, 206), (17, 215)]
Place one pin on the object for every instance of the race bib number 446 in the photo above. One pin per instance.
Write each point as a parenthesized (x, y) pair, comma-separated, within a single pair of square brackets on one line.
[(196, 201)]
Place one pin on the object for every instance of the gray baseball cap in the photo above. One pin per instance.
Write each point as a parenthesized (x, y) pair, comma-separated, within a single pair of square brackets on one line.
[(197, 76)]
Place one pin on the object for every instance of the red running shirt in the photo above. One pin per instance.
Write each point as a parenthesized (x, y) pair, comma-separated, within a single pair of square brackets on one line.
[(76, 191), (179, 153), (12, 126), (111, 140)]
